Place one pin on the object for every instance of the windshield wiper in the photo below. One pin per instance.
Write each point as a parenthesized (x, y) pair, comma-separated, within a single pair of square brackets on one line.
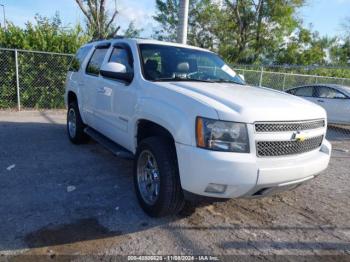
[(182, 79), (227, 81)]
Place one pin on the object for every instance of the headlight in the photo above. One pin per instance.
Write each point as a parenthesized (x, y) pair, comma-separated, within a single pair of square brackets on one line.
[(222, 135)]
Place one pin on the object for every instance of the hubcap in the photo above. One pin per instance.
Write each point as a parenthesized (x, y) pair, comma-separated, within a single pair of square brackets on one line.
[(72, 123), (148, 177)]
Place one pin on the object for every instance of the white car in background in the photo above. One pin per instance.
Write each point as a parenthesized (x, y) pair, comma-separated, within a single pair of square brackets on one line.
[(335, 99)]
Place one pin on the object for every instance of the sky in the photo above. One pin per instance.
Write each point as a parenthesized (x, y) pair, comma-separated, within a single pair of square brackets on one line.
[(324, 15)]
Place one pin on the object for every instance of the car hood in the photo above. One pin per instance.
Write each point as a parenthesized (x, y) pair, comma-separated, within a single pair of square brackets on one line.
[(247, 103)]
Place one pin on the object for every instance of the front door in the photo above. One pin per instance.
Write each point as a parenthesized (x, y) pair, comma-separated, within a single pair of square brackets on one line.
[(334, 102), (115, 99)]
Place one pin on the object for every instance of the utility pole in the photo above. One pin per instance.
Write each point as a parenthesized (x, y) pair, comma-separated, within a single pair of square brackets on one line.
[(3, 11), (183, 22)]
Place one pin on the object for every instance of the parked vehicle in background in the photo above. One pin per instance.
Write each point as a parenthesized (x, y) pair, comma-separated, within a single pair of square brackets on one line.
[(191, 124), (335, 99)]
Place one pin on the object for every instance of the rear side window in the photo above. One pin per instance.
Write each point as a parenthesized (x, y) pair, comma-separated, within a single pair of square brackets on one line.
[(95, 63), (79, 58), (292, 91), (304, 91)]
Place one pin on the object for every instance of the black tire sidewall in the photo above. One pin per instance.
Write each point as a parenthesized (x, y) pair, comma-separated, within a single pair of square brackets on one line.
[(168, 175), (80, 136)]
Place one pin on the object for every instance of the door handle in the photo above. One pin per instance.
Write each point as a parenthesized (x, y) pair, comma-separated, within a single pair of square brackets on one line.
[(320, 100), (101, 90)]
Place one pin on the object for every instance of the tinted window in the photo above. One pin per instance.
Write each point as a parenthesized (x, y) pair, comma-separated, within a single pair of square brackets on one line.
[(292, 91), (79, 58), (121, 56), (326, 92), (304, 91), (96, 61)]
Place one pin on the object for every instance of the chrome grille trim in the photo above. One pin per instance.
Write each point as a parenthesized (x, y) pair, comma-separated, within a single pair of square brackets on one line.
[(283, 148), (264, 127)]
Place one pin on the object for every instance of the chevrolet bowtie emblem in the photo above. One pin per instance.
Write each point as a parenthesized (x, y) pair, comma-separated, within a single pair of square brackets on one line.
[(298, 137)]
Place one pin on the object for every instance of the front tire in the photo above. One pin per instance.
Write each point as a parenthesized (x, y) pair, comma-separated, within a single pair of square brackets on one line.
[(75, 125), (156, 177)]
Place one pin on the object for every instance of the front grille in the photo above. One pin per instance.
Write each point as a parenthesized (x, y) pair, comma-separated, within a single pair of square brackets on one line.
[(282, 148), (289, 126)]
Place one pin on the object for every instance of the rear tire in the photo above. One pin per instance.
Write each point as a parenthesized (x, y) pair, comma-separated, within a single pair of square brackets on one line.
[(156, 177), (75, 125)]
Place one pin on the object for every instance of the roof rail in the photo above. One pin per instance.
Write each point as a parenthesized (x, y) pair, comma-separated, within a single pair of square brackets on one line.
[(106, 39), (119, 37)]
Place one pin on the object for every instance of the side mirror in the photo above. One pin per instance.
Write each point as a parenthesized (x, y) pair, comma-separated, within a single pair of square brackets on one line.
[(116, 71), (241, 76)]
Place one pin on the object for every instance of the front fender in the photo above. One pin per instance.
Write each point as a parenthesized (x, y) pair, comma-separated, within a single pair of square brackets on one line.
[(172, 118)]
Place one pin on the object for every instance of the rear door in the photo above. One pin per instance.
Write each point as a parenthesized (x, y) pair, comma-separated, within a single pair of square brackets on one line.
[(76, 78), (91, 82)]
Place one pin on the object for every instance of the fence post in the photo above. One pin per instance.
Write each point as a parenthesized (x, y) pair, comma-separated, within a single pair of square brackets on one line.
[(284, 82), (17, 82), (261, 76)]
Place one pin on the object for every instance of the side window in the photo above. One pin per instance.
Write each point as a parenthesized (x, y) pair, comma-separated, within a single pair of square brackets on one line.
[(94, 65), (326, 92), (121, 56), (152, 65), (79, 58), (304, 91)]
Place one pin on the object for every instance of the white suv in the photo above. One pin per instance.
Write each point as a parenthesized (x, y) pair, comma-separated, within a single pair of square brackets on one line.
[(191, 124)]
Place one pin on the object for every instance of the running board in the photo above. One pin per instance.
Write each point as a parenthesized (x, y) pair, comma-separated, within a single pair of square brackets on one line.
[(116, 149)]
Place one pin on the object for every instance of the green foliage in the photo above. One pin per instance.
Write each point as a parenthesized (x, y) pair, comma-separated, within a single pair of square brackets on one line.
[(45, 34), (132, 31), (304, 48), (241, 31)]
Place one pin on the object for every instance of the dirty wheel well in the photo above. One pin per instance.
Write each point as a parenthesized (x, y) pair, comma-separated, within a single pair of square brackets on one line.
[(148, 128), (72, 97)]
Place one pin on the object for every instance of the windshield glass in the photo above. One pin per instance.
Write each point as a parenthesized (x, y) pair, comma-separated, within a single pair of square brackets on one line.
[(171, 63)]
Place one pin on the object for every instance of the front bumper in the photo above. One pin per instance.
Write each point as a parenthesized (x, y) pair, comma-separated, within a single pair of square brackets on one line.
[(245, 174)]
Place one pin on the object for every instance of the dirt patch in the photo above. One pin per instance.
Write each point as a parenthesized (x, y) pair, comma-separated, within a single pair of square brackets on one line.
[(81, 230)]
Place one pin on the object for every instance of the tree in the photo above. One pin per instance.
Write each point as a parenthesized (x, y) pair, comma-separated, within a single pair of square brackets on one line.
[(98, 21), (167, 17), (132, 31), (304, 48), (240, 30), (255, 28), (346, 26), (200, 16)]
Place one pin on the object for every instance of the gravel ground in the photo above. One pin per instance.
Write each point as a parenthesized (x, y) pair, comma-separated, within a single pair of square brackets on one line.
[(58, 198)]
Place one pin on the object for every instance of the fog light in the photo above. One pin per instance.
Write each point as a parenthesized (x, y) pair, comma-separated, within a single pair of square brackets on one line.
[(325, 149), (216, 188)]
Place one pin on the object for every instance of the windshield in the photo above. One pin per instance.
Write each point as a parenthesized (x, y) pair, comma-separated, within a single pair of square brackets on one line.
[(171, 63)]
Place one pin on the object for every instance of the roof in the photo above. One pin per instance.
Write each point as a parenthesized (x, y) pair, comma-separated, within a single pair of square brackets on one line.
[(148, 41), (157, 42)]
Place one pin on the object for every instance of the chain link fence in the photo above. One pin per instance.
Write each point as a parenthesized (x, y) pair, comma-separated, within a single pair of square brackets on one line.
[(32, 80)]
